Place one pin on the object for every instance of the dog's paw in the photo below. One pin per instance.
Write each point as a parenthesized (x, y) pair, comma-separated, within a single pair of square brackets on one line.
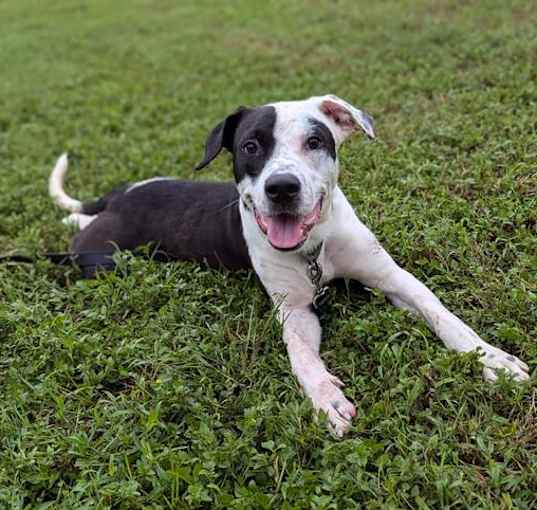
[(496, 359), (73, 220), (328, 398)]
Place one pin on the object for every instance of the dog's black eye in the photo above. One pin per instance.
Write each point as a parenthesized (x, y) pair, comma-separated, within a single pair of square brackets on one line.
[(250, 147), (313, 143)]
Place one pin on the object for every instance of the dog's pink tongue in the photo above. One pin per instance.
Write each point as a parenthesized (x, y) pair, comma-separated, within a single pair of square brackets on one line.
[(284, 231)]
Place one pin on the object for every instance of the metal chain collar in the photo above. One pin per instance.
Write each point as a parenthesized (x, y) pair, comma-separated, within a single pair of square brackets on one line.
[(315, 274)]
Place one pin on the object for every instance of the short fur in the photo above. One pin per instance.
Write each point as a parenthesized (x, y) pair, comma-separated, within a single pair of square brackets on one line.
[(175, 215)]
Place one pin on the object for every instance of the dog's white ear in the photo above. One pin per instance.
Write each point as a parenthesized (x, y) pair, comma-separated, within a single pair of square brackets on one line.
[(345, 118)]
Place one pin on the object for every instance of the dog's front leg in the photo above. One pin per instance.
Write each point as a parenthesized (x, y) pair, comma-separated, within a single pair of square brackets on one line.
[(358, 255), (406, 291), (302, 336)]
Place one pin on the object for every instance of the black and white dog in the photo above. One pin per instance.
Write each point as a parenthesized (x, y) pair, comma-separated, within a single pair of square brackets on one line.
[(286, 217)]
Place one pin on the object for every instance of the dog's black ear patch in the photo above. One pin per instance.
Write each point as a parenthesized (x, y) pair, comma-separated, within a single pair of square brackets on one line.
[(221, 137)]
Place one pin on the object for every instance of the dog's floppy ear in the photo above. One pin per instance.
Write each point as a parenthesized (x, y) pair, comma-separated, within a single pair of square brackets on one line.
[(221, 137), (345, 117)]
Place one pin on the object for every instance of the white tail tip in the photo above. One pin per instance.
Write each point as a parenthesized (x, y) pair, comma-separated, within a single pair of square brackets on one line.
[(55, 187)]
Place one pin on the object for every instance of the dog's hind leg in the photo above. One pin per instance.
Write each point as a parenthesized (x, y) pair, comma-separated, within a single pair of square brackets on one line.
[(105, 232)]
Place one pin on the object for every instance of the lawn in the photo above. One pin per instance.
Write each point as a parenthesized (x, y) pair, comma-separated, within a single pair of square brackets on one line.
[(168, 386)]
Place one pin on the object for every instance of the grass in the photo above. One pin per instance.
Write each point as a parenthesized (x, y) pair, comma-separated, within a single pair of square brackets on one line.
[(167, 386)]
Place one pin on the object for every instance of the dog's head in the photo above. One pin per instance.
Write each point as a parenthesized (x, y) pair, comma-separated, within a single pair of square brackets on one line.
[(285, 161)]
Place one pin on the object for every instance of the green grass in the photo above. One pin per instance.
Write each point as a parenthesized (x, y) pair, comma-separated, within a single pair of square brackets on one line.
[(169, 386)]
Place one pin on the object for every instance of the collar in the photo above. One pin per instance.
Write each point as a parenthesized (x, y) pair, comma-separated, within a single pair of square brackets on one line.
[(313, 254), (315, 274), (314, 269)]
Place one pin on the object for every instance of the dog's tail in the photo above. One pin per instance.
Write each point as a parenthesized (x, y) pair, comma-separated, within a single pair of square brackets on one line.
[(62, 199), (55, 187)]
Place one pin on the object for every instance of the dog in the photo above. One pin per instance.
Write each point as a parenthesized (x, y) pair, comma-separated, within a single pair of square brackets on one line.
[(285, 217)]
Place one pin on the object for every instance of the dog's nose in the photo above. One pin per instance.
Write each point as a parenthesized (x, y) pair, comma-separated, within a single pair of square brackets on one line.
[(282, 187)]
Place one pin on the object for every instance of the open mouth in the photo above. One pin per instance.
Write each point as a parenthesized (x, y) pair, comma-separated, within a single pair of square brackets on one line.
[(288, 231)]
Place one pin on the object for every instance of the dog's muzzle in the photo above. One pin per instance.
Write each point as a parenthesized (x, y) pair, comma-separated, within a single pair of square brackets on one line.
[(286, 231)]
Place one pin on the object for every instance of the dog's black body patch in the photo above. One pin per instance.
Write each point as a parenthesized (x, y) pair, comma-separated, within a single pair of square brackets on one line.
[(188, 220)]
